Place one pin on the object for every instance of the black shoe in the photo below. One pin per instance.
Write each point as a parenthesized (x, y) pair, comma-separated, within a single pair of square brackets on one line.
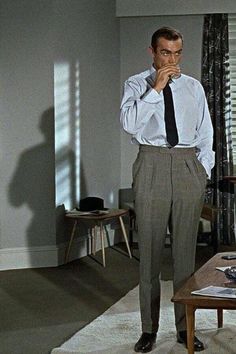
[(182, 338), (145, 342)]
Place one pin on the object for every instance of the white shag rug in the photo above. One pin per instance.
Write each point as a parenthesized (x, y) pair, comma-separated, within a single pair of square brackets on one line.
[(117, 330)]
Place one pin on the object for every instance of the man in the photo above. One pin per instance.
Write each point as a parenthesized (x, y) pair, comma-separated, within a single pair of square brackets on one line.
[(166, 113)]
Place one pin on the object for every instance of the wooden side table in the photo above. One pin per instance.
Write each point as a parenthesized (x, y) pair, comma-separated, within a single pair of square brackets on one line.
[(98, 222)]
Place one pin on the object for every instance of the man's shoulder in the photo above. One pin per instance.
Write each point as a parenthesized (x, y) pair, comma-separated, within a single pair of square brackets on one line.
[(194, 86), (191, 79), (192, 82), (140, 76)]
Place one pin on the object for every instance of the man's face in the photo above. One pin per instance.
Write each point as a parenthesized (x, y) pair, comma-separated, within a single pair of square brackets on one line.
[(167, 52)]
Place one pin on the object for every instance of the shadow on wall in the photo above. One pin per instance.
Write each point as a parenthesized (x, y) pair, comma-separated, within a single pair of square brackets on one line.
[(33, 184), (65, 163), (63, 227)]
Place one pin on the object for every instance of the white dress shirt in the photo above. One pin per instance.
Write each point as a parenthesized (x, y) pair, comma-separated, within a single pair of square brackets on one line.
[(142, 114)]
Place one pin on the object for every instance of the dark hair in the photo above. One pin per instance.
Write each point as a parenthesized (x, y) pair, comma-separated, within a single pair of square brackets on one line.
[(165, 32)]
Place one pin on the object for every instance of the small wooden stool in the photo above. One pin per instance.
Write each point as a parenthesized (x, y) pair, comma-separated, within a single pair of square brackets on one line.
[(98, 220)]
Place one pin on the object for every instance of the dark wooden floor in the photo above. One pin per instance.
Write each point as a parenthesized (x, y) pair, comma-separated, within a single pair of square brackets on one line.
[(41, 308)]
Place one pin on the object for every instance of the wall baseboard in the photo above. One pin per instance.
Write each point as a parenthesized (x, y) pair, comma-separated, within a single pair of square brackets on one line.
[(47, 256)]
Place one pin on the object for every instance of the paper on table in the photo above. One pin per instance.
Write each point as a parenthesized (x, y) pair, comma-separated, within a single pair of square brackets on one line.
[(75, 212), (78, 212), (222, 269), (216, 291)]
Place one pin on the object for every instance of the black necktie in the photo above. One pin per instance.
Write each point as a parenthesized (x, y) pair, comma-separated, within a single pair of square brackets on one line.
[(171, 130)]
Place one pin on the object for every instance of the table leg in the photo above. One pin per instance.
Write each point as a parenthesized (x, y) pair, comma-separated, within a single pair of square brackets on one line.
[(125, 236), (131, 228), (190, 318), (102, 243), (220, 318), (94, 239), (70, 242)]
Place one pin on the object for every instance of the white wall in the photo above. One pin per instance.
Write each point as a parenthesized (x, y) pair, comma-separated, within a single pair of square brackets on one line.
[(35, 34), (172, 7), (88, 41), (27, 154), (87, 37), (135, 36)]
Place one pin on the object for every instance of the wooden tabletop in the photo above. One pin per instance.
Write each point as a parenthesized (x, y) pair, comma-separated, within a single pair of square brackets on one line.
[(108, 214), (205, 276)]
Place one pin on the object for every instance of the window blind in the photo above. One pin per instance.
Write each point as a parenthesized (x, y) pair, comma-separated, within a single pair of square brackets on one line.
[(232, 64)]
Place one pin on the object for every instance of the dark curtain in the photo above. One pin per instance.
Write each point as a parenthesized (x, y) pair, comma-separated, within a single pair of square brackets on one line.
[(215, 79)]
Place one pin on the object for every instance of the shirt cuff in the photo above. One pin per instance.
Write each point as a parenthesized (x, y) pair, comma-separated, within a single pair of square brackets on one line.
[(208, 171)]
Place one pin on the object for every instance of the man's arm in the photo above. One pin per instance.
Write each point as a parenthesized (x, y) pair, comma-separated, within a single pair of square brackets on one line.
[(138, 105), (205, 130), (140, 100)]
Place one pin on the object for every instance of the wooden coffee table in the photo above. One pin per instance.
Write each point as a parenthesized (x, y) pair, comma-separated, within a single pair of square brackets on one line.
[(204, 276)]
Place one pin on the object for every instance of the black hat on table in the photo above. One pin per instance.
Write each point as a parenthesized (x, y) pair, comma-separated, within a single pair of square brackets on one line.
[(91, 204)]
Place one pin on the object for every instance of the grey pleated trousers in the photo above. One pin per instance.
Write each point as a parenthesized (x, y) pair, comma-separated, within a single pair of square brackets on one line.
[(169, 187)]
